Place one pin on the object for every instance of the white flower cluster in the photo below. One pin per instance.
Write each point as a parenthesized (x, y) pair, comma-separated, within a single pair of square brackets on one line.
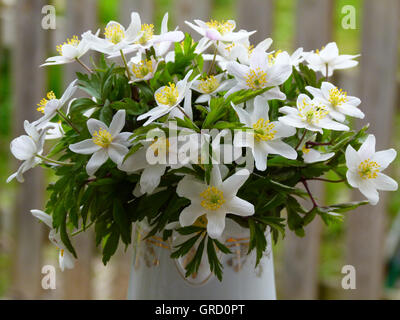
[(242, 67)]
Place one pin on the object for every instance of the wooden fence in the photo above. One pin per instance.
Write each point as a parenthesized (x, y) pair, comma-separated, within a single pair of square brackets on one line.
[(298, 273)]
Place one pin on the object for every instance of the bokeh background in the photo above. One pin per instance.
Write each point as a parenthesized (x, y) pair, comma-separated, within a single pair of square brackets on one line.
[(307, 268)]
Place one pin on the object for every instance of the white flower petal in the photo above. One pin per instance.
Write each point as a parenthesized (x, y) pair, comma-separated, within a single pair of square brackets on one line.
[(352, 158), (96, 161), (384, 182), (231, 186), (190, 214), (151, 177), (215, 179), (368, 190), (95, 125), (353, 178), (44, 217), (367, 149), (117, 123), (23, 147), (260, 157), (239, 207), (281, 148), (117, 152), (85, 147), (215, 224), (135, 162), (190, 188), (384, 158)]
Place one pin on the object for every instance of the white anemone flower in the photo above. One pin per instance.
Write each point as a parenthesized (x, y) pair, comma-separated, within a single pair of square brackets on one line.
[(142, 70), (148, 39), (71, 50), (365, 168), (210, 86), (153, 158), (168, 98), (27, 148), (214, 200), (116, 37), (310, 115), (50, 105), (107, 142), (65, 259), (163, 42), (262, 72), (218, 30), (338, 103), (328, 59), (266, 137)]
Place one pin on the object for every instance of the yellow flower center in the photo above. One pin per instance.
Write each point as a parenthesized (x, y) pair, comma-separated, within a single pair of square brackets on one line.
[(74, 41), (168, 95), (222, 27), (318, 51), (102, 138), (312, 113), (256, 79), (42, 104), (305, 150), (62, 252), (143, 68), (148, 32), (368, 169), (160, 146), (230, 46), (213, 198), (209, 84), (272, 57), (337, 97), (114, 33), (263, 130)]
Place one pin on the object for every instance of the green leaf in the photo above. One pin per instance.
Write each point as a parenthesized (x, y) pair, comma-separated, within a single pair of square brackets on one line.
[(111, 244), (295, 221), (221, 247), (122, 221), (184, 248), (215, 264), (130, 106), (65, 239), (194, 264)]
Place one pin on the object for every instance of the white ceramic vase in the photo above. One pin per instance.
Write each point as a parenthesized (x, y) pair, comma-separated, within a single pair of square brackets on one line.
[(155, 276)]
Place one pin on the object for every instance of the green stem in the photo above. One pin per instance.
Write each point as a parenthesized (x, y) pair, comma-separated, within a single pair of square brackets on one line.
[(183, 111), (64, 116), (126, 64), (305, 184), (328, 180), (301, 139), (81, 230), (84, 65), (214, 59), (54, 161), (326, 68)]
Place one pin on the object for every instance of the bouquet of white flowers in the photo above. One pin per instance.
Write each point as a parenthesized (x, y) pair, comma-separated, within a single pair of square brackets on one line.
[(183, 141)]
